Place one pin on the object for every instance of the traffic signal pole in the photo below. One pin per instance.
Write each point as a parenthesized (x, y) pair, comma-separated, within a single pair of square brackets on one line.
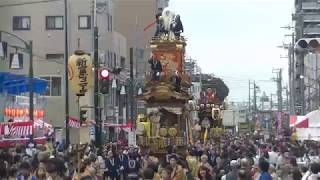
[(97, 112), (66, 54)]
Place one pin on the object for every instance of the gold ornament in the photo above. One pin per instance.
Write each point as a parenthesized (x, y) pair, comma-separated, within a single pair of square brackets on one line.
[(163, 132), (172, 132)]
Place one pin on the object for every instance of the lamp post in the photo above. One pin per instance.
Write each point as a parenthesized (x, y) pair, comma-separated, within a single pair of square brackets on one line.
[(26, 49), (123, 103)]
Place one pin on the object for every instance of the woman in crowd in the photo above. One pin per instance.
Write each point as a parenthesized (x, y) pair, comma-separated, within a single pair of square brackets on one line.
[(204, 174)]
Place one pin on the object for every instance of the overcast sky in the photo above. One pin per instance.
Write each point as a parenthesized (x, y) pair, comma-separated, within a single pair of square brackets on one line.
[(237, 39)]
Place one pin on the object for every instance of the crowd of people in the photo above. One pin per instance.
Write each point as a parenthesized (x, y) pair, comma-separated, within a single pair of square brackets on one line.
[(229, 158)]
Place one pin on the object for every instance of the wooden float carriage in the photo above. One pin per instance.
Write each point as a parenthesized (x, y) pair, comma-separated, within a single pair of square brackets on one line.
[(167, 122)]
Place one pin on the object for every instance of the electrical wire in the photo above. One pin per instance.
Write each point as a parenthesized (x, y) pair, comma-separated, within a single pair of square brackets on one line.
[(27, 3)]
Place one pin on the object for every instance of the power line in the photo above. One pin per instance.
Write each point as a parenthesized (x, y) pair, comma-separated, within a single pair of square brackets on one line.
[(27, 3)]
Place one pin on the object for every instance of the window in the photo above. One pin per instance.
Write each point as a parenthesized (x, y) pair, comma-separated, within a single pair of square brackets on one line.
[(54, 22), (54, 56), (54, 85), (84, 22), (21, 22)]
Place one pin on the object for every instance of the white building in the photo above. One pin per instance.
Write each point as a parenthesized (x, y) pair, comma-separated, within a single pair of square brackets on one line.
[(43, 23)]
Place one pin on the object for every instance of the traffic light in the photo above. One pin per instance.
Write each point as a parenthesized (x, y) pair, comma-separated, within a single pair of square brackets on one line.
[(104, 81), (83, 116), (307, 44)]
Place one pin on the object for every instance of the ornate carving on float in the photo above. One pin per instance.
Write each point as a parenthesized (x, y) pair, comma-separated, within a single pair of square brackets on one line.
[(166, 87)]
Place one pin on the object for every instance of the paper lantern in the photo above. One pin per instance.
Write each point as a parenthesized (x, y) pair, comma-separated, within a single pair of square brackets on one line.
[(21, 112), (26, 111), (13, 112), (41, 113), (80, 72), (35, 113), (6, 111)]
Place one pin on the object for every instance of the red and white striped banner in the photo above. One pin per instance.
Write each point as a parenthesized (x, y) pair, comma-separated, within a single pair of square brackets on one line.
[(74, 123), (41, 124), (16, 128)]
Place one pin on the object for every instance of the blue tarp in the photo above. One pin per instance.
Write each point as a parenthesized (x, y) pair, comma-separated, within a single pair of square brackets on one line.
[(16, 84)]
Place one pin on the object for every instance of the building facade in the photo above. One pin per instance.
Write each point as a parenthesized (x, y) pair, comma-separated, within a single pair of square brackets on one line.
[(307, 20), (43, 23), (312, 67), (135, 20)]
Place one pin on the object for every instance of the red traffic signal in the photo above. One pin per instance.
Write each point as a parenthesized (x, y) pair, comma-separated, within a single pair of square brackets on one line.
[(104, 74)]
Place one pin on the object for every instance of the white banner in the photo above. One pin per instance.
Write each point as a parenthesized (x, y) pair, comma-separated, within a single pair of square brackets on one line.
[(132, 138), (308, 134)]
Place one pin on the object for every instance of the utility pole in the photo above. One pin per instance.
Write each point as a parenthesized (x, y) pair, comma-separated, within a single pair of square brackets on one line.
[(292, 76), (271, 103), (309, 99), (97, 109), (291, 70), (132, 90), (279, 88), (249, 106), (66, 78), (31, 104), (317, 84), (280, 100), (287, 100), (255, 96)]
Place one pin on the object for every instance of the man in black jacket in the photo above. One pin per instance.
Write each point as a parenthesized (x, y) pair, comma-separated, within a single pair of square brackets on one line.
[(156, 68)]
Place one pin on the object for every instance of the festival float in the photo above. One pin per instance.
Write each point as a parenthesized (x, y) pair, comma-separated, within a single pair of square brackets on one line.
[(209, 125), (167, 121), (16, 127)]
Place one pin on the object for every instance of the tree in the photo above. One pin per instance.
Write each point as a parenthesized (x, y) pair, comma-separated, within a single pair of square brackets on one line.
[(209, 81)]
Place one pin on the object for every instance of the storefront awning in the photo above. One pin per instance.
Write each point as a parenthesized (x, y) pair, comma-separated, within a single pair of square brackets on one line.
[(16, 84)]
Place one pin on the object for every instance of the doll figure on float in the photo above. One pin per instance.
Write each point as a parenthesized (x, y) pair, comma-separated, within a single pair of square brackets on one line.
[(155, 123), (211, 95)]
